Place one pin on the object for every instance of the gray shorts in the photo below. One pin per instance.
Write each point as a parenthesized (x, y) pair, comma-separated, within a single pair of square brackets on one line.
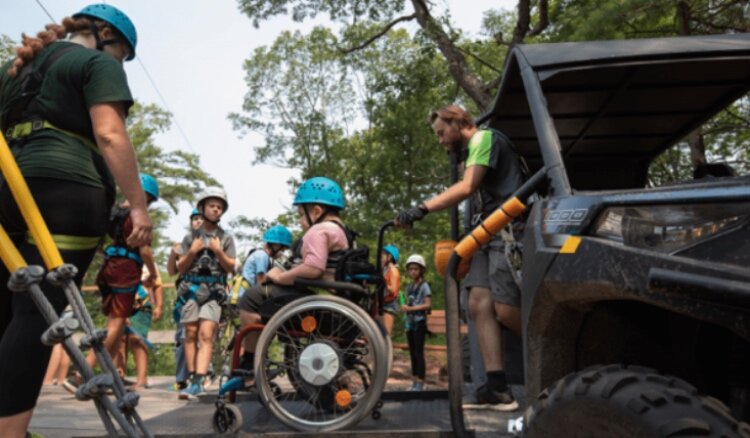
[(192, 311), (490, 269)]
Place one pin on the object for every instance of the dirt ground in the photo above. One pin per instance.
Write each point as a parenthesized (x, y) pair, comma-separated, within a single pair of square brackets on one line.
[(436, 373)]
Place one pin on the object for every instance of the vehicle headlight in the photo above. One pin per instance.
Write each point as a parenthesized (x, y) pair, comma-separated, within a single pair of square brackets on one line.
[(668, 228)]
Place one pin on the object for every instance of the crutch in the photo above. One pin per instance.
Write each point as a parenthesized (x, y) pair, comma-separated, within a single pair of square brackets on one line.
[(26, 279)]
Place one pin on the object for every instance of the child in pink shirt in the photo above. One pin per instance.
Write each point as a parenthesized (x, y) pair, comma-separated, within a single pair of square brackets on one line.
[(319, 201)]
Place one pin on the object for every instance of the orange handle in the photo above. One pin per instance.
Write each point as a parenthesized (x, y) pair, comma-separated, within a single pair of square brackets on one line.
[(485, 231)]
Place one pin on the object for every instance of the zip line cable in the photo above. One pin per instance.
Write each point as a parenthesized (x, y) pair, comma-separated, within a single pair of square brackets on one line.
[(45, 10), (153, 84), (164, 102)]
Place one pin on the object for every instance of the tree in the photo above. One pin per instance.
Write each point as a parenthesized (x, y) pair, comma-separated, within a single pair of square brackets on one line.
[(388, 13)]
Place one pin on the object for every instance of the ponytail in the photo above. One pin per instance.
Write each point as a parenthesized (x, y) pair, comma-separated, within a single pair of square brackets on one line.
[(32, 46)]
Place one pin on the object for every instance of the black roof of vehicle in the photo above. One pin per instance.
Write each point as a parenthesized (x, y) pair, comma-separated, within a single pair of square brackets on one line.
[(616, 105)]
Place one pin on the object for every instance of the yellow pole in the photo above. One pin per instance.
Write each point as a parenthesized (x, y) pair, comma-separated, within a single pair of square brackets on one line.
[(12, 259), (28, 207)]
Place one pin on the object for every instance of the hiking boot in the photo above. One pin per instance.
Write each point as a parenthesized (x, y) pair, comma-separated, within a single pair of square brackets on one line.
[(490, 399), (191, 392)]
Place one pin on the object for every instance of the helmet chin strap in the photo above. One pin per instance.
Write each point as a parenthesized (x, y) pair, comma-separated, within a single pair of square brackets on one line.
[(203, 215), (319, 219), (275, 249), (99, 42)]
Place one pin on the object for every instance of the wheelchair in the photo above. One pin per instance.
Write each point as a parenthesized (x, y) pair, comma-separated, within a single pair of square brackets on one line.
[(321, 361)]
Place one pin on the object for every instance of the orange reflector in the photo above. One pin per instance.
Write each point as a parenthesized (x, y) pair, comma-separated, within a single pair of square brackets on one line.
[(309, 323), (571, 245), (343, 398)]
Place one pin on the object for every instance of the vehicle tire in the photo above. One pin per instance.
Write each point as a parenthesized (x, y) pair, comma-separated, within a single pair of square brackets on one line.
[(227, 420), (628, 401)]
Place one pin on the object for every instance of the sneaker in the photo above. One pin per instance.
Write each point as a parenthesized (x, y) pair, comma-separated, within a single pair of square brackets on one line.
[(72, 383), (487, 398), (419, 386), (191, 392)]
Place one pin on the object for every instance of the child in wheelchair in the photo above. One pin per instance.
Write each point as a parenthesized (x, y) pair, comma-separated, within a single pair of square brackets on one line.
[(319, 201), (321, 359)]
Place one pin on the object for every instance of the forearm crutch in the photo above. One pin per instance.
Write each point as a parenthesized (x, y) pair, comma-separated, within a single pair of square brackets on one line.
[(26, 279)]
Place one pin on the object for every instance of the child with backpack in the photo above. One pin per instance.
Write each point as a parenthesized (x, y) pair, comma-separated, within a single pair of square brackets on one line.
[(208, 258), (260, 260), (120, 275), (417, 306), (181, 371)]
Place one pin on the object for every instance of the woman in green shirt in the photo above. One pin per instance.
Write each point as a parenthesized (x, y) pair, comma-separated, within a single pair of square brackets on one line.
[(70, 141)]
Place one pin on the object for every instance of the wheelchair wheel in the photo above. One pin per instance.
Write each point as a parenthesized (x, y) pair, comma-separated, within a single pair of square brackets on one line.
[(330, 360), (227, 419)]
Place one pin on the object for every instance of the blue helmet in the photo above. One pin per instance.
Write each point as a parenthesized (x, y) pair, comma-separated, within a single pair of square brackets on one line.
[(279, 235), (320, 190), (149, 185), (116, 18), (393, 251), (195, 212)]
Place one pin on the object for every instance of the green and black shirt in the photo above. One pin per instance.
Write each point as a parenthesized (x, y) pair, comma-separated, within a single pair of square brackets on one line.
[(493, 150), (73, 84)]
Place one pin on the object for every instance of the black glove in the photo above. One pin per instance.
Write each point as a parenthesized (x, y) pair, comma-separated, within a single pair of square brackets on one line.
[(407, 217)]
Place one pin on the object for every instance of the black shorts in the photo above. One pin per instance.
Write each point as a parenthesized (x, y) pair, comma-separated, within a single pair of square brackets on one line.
[(70, 209), (267, 299)]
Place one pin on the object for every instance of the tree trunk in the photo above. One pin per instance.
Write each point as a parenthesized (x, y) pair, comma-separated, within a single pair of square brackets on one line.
[(457, 65), (697, 148), (695, 138)]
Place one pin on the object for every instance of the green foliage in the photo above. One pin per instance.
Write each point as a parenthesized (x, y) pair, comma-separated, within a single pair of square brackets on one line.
[(582, 20), (360, 119), (260, 10), (7, 48)]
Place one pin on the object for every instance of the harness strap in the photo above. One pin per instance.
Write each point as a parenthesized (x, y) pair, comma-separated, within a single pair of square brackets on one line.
[(70, 243), (208, 279), (25, 129), (123, 290), (119, 251)]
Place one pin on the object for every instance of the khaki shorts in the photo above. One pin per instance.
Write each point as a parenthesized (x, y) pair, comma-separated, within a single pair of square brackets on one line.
[(192, 311), (490, 269)]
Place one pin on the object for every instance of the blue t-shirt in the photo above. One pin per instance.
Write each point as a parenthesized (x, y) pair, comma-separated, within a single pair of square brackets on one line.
[(257, 263), (415, 296)]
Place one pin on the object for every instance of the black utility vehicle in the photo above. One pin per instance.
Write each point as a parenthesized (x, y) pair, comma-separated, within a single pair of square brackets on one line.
[(636, 300)]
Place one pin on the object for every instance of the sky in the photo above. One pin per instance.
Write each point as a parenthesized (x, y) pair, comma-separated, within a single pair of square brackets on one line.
[(194, 50)]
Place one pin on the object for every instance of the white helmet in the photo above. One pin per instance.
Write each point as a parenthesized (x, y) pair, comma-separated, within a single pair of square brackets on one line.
[(418, 259), (213, 192)]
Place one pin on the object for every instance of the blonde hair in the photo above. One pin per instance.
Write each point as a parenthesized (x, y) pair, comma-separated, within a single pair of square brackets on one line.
[(32, 46), (454, 115)]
